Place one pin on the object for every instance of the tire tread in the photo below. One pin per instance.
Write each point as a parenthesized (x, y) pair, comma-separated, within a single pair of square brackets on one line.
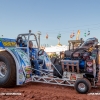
[(12, 80)]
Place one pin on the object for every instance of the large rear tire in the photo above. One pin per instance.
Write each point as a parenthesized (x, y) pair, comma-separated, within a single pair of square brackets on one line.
[(7, 70)]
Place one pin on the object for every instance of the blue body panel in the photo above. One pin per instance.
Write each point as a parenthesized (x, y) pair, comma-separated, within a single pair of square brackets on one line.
[(82, 64), (23, 65), (5, 42)]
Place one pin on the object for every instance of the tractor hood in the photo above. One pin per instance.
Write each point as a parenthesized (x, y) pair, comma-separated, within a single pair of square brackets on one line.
[(91, 42)]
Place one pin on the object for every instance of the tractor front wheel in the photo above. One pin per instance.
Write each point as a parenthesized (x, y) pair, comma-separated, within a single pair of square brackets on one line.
[(82, 85)]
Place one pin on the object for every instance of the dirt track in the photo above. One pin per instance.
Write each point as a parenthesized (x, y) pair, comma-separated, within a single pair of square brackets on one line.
[(38, 91)]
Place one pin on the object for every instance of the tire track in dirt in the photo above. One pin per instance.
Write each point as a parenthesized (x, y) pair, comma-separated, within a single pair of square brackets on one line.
[(39, 91)]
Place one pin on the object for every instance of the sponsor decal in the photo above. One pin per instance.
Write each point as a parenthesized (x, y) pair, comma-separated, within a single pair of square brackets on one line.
[(20, 82), (73, 77), (28, 75), (23, 57), (28, 80), (8, 42), (20, 76), (89, 64), (89, 69), (20, 70), (28, 70)]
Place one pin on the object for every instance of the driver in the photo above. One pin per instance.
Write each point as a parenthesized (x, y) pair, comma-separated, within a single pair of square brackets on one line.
[(34, 59)]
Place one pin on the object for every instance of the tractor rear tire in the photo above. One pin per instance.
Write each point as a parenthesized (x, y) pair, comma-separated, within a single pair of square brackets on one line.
[(7, 62), (82, 89)]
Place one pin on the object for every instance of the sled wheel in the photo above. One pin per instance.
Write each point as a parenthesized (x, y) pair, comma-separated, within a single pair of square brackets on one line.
[(82, 85), (7, 70), (58, 73)]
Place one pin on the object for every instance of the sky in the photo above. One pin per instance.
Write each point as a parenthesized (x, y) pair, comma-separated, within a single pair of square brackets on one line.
[(50, 17)]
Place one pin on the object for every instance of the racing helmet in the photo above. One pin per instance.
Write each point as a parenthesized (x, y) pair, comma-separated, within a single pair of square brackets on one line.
[(20, 42)]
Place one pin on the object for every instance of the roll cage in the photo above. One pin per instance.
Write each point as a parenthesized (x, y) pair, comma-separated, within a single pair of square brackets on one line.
[(26, 37)]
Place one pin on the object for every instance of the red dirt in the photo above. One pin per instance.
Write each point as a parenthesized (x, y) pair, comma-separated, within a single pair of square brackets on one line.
[(38, 91)]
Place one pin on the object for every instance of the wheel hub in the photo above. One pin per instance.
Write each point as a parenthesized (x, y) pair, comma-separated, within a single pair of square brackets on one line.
[(81, 86), (3, 69)]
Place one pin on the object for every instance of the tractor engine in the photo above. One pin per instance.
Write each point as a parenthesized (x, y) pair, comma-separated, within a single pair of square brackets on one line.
[(77, 63), (83, 59), (80, 63)]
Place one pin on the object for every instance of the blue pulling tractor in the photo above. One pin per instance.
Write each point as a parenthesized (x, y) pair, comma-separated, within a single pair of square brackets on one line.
[(79, 68)]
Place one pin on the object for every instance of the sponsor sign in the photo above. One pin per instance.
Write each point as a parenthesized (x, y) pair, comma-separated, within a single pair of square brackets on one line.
[(20, 71), (73, 77), (20, 82), (28, 80), (89, 64), (20, 76)]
